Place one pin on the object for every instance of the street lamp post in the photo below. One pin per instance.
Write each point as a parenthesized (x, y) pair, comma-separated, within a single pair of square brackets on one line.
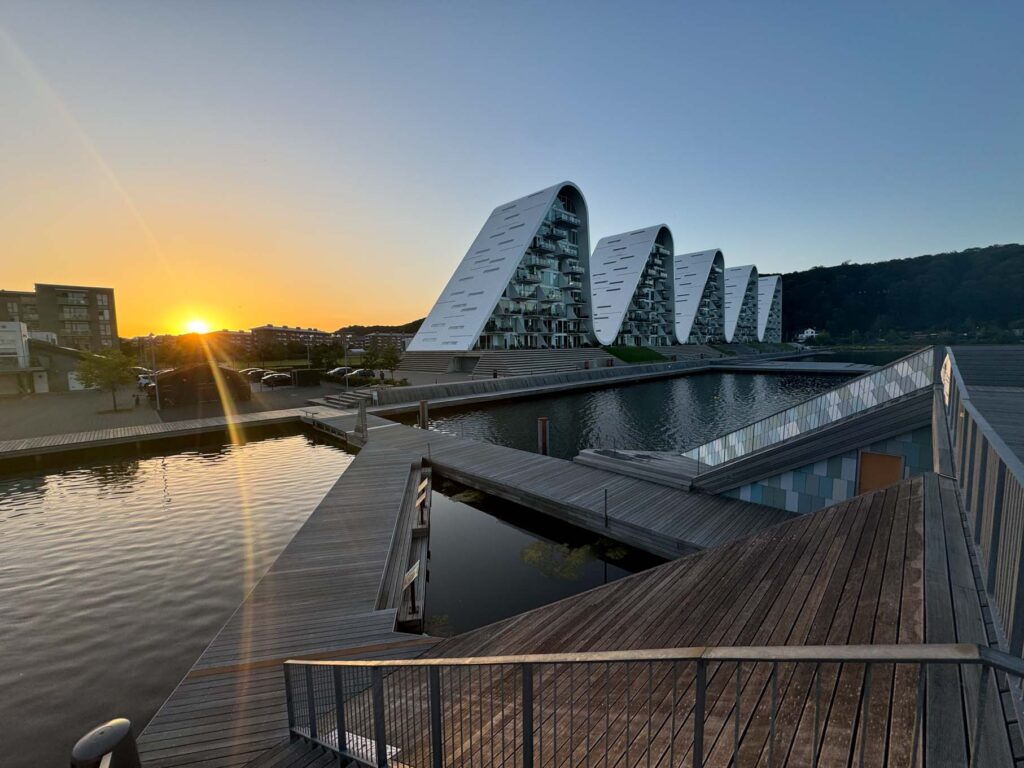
[(156, 381)]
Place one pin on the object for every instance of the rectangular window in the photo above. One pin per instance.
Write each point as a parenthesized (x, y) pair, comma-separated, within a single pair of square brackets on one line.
[(102, 300), (104, 329)]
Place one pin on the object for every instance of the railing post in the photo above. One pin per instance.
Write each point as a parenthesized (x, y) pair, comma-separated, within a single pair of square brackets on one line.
[(379, 737), (698, 715), (527, 671), (339, 709), (289, 701), (979, 720), (311, 702), (436, 744)]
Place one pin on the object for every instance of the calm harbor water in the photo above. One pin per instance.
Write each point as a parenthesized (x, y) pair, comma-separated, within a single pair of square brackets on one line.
[(663, 415), (115, 576), (491, 559)]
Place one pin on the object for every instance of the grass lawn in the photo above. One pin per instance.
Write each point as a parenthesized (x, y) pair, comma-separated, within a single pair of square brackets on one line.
[(635, 354)]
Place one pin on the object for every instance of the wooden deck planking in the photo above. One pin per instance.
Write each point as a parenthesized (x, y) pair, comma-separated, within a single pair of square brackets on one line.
[(45, 444), (318, 599), (667, 521), (853, 573)]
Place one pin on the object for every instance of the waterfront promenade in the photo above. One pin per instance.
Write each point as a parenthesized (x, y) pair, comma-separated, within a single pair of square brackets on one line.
[(321, 597)]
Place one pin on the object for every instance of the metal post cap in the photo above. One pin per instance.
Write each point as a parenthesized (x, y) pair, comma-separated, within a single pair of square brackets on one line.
[(102, 740)]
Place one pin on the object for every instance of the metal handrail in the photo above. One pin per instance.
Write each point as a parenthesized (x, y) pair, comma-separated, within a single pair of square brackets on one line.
[(907, 653), (412, 712)]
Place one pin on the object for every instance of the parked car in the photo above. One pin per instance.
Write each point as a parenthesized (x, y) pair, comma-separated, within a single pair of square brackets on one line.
[(358, 372), (341, 370), (277, 380), (138, 370), (144, 380), (256, 374), (247, 371)]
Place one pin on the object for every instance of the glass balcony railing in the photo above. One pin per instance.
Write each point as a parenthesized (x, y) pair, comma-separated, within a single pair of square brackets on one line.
[(567, 248), (564, 217)]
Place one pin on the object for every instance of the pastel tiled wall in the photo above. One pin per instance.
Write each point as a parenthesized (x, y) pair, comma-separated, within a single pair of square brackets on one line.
[(834, 479)]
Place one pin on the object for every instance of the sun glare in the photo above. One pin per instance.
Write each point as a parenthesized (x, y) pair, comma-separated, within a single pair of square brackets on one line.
[(197, 326)]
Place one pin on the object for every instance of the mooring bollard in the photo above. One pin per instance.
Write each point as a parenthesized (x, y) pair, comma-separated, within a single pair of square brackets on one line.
[(115, 739), (542, 435), (424, 415)]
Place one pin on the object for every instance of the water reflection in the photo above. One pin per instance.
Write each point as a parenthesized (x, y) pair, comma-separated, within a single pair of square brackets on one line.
[(667, 415), (491, 559), (115, 575)]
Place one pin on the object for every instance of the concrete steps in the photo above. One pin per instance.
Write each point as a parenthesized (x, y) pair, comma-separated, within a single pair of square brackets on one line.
[(531, 361), (427, 362)]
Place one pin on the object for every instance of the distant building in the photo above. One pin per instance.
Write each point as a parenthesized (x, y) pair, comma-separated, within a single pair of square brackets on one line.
[(631, 283), (529, 282), (807, 335), (81, 317), (381, 339), (237, 343), (266, 335), (28, 364)]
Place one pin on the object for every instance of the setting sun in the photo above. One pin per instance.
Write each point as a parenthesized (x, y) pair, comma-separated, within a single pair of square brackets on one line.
[(197, 326)]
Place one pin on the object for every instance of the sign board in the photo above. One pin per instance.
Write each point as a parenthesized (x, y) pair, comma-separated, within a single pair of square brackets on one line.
[(411, 575)]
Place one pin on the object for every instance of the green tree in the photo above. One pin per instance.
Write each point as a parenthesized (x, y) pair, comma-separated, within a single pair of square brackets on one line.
[(372, 356), (107, 371), (390, 357)]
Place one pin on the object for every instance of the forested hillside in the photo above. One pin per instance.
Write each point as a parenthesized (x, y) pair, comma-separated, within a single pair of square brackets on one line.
[(979, 291)]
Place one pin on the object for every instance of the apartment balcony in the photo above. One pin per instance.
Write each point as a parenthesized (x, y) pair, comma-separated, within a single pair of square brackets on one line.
[(661, 250), (556, 233), (572, 267), (528, 276), (74, 301), (542, 262), (550, 295), (568, 249), (520, 293), (565, 218), (542, 245)]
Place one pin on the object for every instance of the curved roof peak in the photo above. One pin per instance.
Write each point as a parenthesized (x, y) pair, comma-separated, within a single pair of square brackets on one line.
[(615, 269)]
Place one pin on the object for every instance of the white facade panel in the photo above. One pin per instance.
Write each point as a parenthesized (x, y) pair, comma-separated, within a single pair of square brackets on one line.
[(741, 304), (769, 309), (699, 283), (616, 268), (468, 301)]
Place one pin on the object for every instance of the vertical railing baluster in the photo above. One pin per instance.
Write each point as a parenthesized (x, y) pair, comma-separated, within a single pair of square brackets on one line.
[(527, 671), (572, 714), (675, 706), (289, 700), (650, 704), (986, 676), (698, 715), (436, 724), (866, 712), (736, 721), (817, 714), (339, 708), (311, 702), (590, 689), (773, 713), (379, 736)]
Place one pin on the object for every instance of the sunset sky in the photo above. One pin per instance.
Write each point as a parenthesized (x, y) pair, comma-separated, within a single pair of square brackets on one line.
[(329, 163)]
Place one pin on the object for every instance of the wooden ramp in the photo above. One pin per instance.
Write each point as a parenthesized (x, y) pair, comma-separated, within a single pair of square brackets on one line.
[(318, 600), (890, 567), (658, 519)]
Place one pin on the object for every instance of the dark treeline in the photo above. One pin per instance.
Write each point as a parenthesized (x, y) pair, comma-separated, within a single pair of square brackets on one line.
[(977, 292)]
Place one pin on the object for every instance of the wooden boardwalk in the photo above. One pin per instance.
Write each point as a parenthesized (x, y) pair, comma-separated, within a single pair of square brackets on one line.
[(658, 519), (318, 600), (141, 433), (886, 568)]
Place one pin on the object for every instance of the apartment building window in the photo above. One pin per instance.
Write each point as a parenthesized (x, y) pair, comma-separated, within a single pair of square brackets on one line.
[(104, 314), (12, 307), (102, 300), (76, 328), (104, 329), (74, 313)]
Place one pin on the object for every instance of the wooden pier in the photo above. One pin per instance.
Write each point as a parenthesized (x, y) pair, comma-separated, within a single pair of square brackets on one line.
[(326, 596)]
